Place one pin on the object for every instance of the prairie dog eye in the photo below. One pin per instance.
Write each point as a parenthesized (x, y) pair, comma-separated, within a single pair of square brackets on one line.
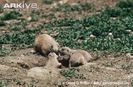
[(51, 54), (66, 50), (62, 49)]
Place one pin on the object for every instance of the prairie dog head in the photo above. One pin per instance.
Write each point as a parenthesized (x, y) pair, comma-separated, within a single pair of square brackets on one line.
[(65, 50), (53, 62), (52, 55), (55, 47)]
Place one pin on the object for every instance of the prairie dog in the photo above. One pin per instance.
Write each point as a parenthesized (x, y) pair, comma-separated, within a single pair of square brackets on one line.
[(86, 55), (52, 61), (77, 59), (68, 51), (45, 44)]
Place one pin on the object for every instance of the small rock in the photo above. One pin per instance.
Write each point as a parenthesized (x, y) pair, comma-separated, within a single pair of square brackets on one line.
[(129, 55), (92, 36), (129, 31), (32, 51), (110, 34), (29, 19)]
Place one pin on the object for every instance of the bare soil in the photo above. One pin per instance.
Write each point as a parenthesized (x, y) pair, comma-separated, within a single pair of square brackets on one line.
[(108, 68)]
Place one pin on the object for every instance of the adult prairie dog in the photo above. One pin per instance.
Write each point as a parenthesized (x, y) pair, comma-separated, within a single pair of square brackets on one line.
[(45, 44), (52, 61), (68, 51)]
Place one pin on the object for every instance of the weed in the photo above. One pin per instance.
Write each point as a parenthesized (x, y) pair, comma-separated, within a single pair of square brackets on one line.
[(68, 73), (4, 51), (1, 8), (2, 23), (109, 27), (48, 1), (3, 83), (20, 26), (77, 7), (23, 39), (131, 83), (125, 4), (10, 15), (34, 15)]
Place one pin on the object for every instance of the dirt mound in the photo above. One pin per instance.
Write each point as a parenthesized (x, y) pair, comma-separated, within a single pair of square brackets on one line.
[(12, 70), (42, 73)]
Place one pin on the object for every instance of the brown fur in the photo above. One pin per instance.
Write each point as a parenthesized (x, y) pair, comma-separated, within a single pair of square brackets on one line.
[(86, 55), (53, 62), (45, 44), (77, 59), (68, 51)]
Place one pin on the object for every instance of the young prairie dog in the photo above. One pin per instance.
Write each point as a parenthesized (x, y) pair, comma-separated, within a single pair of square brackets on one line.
[(86, 55), (52, 61), (68, 51), (45, 44), (76, 59)]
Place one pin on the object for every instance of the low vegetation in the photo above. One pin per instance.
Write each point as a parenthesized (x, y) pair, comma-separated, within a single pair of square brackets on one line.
[(75, 7), (48, 1), (10, 15), (109, 30), (3, 83), (68, 73)]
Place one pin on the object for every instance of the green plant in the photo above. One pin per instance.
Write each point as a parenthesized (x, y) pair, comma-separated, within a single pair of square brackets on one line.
[(2, 23), (10, 15), (77, 7), (127, 66), (112, 28), (68, 73), (125, 4), (4, 51), (3, 83), (1, 8), (131, 83), (48, 1), (35, 15), (20, 26)]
